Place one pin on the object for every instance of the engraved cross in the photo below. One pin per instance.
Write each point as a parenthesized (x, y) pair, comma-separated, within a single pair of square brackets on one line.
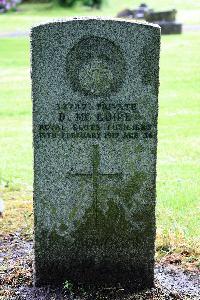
[(95, 175)]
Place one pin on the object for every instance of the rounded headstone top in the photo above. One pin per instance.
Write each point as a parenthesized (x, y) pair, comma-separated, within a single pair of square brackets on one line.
[(107, 19)]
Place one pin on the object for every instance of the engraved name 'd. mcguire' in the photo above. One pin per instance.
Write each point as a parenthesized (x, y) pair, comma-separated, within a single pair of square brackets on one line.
[(104, 120)]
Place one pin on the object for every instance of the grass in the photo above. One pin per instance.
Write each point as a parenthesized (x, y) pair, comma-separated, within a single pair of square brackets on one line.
[(178, 178), (19, 216), (178, 148), (15, 112), (31, 14)]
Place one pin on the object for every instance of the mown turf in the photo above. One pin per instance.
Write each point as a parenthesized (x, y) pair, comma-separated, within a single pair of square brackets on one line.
[(178, 178), (179, 140)]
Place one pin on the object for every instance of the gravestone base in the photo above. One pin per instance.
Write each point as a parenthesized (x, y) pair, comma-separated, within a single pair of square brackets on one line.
[(101, 260), (170, 27), (89, 275)]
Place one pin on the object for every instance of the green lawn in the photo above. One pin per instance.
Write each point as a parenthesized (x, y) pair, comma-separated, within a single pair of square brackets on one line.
[(30, 14), (178, 179)]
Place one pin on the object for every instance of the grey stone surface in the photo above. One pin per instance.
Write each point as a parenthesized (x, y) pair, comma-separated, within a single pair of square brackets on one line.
[(95, 89)]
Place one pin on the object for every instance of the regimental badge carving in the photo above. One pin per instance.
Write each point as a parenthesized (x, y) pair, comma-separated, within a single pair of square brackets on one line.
[(95, 66)]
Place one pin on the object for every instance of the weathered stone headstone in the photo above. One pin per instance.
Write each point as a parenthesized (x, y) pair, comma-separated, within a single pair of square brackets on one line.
[(95, 89)]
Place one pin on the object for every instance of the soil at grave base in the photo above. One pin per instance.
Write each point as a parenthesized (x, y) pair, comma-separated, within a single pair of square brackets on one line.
[(171, 282)]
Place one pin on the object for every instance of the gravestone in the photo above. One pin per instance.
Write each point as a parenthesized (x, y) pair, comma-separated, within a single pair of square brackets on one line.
[(95, 89), (126, 13), (142, 11), (166, 20)]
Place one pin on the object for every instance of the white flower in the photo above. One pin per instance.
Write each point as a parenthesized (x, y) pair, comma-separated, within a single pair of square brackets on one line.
[(1, 207)]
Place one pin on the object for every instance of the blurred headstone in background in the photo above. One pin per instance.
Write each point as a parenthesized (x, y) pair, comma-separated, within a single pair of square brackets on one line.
[(142, 11), (165, 19), (126, 13)]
